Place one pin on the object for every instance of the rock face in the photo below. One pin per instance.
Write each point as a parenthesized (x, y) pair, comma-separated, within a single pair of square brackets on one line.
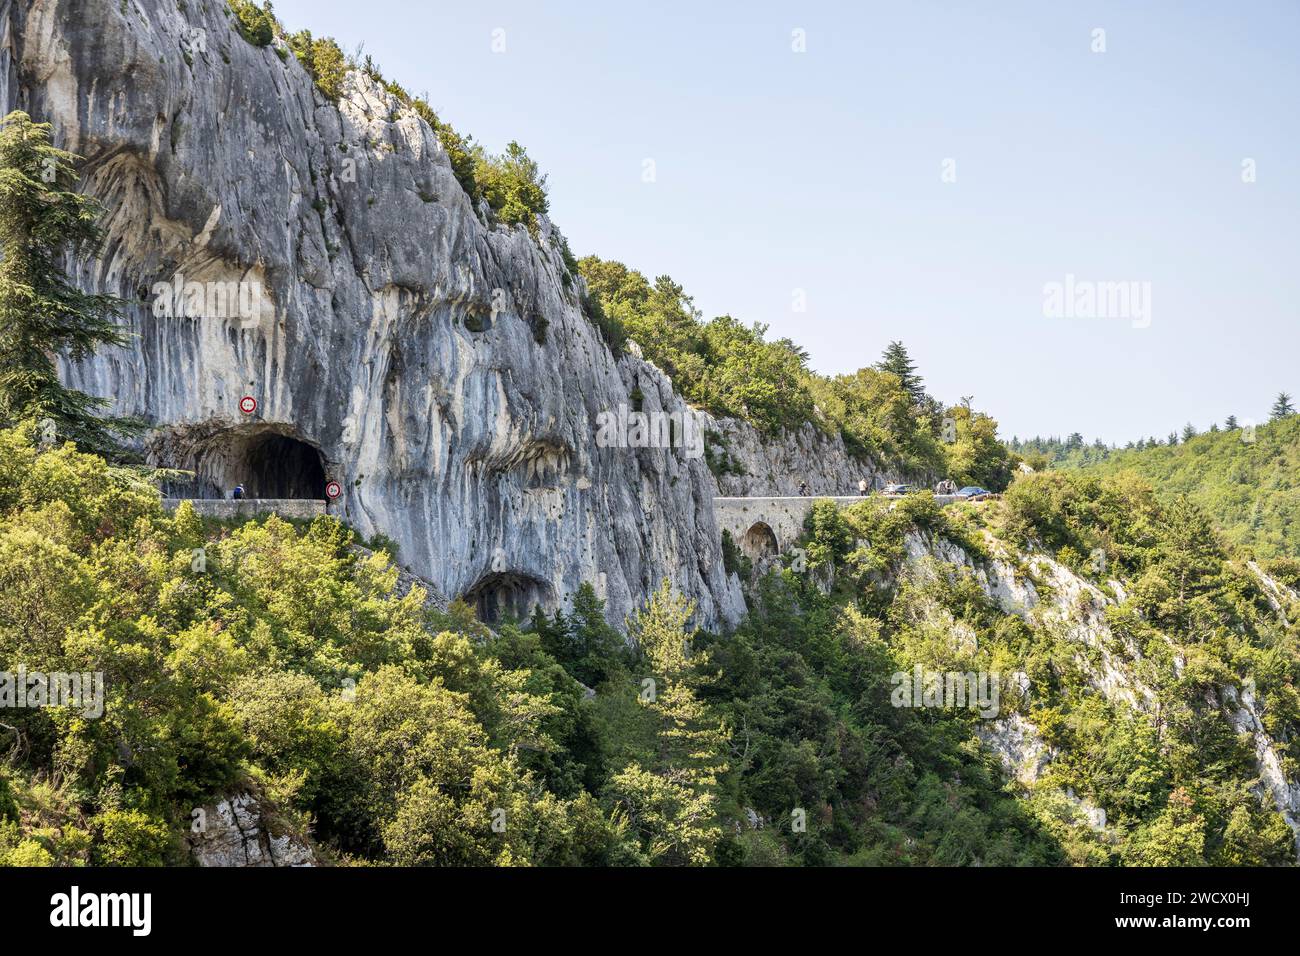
[(232, 832), (1018, 746), (755, 465), (440, 369), (1074, 607)]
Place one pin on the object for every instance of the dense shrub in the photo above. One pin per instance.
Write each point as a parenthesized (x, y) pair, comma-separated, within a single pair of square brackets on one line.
[(513, 185), (256, 24)]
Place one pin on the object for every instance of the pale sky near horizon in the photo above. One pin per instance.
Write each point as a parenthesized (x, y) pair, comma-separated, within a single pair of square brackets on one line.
[(822, 171)]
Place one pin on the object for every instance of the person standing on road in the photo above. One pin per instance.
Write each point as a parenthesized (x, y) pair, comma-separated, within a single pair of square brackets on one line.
[(862, 486), (238, 492), (803, 489)]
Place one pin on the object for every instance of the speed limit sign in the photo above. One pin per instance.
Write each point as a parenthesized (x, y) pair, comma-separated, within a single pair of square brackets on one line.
[(248, 404), (332, 490)]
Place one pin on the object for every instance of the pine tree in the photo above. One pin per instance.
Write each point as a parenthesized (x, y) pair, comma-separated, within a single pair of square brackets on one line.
[(1282, 407), (600, 649), (42, 314), (1189, 432), (671, 801), (897, 362), (1230, 423)]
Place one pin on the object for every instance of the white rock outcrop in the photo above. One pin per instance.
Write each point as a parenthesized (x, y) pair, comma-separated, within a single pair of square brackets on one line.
[(232, 832)]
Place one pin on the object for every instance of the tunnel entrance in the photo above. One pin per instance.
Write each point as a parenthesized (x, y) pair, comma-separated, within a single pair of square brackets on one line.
[(268, 459), (282, 467)]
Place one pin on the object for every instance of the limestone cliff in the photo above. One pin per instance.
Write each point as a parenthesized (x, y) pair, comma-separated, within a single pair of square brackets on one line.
[(748, 463), (438, 367)]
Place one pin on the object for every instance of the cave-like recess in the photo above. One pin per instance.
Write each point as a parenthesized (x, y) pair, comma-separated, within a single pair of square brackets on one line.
[(267, 459), (499, 597)]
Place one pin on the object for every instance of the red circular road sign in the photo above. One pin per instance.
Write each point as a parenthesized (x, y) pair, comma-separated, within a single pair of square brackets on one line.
[(248, 404), (332, 490)]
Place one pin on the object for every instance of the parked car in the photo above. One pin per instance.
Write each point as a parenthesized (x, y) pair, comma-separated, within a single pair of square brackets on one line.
[(974, 493), (898, 490)]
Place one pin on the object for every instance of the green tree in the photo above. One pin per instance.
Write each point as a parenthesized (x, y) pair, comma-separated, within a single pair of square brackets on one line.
[(593, 651), (897, 362), (130, 838), (1175, 838), (513, 186), (878, 417), (42, 314), (671, 804), (257, 24), (1282, 407), (977, 457), (323, 59), (747, 377)]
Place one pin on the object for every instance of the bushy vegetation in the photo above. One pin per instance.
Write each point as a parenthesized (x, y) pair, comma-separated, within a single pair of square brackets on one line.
[(257, 24), (286, 664), (512, 185), (1248, 481), (730, 369), (1195, 625), (323, 59)]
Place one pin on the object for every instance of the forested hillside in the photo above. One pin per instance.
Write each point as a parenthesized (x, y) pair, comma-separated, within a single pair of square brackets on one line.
[(286, 664), (1137, 675), (1247, 479)]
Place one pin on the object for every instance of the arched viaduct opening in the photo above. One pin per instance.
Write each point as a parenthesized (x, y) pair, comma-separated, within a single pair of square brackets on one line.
[(759, 542)]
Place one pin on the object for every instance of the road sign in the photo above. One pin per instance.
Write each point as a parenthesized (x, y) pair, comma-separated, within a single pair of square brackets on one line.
[(248, 404)]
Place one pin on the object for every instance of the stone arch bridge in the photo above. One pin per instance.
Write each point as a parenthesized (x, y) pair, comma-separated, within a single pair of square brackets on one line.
[(768, 526)]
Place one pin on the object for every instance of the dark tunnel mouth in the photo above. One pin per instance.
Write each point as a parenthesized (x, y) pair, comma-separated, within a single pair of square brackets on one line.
[(269, 460), (278, 466)]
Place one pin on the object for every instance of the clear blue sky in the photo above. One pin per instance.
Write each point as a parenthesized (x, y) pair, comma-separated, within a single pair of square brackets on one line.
[(821, 171)]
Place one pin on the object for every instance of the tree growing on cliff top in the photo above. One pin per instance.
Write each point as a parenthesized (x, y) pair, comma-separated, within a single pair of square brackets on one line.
[(898, 362), (42, 314), (513, 185)]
